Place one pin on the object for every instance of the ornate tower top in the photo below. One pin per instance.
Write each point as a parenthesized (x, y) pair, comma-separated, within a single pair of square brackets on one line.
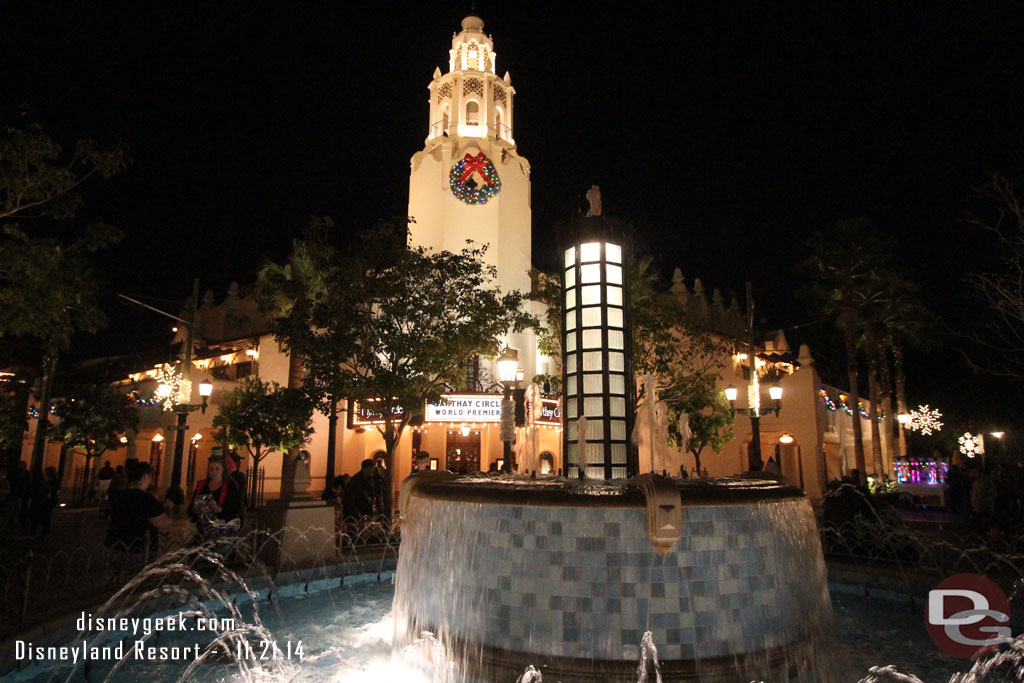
[(472, 49), (471, 100)]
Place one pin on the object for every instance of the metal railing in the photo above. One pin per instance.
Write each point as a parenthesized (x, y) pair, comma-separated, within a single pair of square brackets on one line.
[(857, 529), (499, 131), (40, 585)]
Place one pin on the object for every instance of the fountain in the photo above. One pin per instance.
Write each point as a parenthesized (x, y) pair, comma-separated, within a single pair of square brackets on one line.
[(343, 616), (566, 576), (582, 577)]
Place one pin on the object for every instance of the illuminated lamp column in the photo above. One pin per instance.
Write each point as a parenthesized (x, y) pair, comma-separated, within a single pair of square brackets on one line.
[(597, 372)]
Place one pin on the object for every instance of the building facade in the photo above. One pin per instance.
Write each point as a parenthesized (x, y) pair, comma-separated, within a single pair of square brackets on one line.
[(469, 182)]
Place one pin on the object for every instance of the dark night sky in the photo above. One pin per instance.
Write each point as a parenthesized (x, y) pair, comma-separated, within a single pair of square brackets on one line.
[(725, 132)]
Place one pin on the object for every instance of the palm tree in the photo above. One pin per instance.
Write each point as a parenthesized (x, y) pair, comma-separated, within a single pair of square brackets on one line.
[(841, 267), (904, 320)]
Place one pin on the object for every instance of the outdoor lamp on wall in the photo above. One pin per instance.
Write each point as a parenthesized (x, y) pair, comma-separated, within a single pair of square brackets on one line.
[(786, 439), (775, 393), (205, 390)]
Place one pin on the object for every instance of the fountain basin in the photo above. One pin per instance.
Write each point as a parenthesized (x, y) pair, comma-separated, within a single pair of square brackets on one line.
[(562, 574)]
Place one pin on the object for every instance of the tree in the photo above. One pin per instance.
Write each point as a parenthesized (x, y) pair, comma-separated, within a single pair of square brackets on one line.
[(396, 324), (13, 423), (290, 295), (686, 360), (894, 319), (37, 179), (92, 420), (999, 345), (841, 267), (548, 290), (47, 287), (711, 422), (264, 417), (48, 291)]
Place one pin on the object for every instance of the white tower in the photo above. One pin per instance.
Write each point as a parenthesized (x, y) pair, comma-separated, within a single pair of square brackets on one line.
[(468, 182)]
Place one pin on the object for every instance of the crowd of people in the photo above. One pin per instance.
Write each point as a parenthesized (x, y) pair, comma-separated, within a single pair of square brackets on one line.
[(992, 497), (30, 498), (363, 494)]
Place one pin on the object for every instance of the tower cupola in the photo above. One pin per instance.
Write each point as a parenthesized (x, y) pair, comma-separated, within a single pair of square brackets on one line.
[(470, 100)]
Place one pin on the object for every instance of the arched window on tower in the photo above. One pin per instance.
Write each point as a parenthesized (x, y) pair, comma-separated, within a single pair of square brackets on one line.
[(472, 113), (499, 123), (444, 118)]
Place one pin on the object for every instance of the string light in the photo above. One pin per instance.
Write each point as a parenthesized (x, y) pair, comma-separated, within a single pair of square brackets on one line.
[(832, 405), (141, 400), (33, 412), (827, 400)]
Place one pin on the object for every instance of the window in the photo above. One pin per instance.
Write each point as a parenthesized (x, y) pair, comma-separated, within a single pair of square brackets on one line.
[(471, 368), (472, 113)]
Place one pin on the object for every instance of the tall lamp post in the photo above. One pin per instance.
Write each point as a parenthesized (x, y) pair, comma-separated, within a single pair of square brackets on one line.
[(174, 491), (753, 409), (508, 371)]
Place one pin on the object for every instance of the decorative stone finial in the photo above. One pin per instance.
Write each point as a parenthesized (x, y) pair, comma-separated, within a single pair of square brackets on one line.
[(594, 199), (805, 357)]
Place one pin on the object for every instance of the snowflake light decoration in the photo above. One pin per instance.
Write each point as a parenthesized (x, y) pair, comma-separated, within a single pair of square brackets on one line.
[(171, 387), (972, 444), (924, 420)]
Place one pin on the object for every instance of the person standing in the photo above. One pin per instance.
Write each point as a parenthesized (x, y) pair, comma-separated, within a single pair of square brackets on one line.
[(19, 495), (136, 516), (358, 498), (983, 501), (103, 479), (382, 494)]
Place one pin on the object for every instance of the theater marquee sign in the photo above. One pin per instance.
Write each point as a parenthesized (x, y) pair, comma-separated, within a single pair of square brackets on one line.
[(480, 408), (464, 408)]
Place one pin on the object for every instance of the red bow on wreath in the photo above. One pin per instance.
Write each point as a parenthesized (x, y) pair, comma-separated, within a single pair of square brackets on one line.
[(471, 164)]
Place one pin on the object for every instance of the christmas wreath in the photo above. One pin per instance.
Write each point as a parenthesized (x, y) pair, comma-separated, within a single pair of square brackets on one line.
[(466, 188)]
